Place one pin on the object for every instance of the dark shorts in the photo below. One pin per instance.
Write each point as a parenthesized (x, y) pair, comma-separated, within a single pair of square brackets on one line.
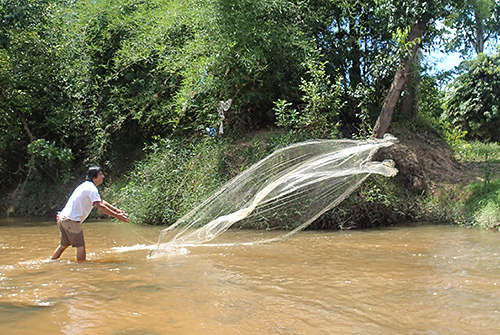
[(71, 232)]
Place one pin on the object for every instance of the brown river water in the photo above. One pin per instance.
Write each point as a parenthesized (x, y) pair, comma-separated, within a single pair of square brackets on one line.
[(411, 280)]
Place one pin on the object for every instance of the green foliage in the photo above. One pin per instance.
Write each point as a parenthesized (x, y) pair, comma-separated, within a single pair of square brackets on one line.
[(321, 98), (430, 100), (49, 151), (31, 96), (484, 204), (287, 117), (404, 47), (473, 101), (171, 180), (432, 114), (455, 137), (128, 65), (362, 71), (447, 207), (54, 161), (373, 192), (473, 23)]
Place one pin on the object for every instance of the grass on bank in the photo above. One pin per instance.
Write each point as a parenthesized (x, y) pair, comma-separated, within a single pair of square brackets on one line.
[(477, 203), (483, 203)]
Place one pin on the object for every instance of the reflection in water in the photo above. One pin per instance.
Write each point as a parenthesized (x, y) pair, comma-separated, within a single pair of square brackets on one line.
[(420, 280)]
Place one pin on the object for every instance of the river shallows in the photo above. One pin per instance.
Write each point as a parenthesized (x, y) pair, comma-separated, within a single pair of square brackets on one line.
[(414, 280)]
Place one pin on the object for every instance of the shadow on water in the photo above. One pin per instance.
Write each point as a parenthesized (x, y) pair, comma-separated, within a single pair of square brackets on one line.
[(26, 221), (15, 312)]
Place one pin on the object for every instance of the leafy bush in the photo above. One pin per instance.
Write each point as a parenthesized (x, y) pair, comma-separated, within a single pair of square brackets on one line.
[(319, 113), (430, 99), (473, 101), (171, 180), (455, 137), (52, 160)]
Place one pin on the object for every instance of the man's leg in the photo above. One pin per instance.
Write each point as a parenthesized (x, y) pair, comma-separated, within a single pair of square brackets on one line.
[(73, 234), (80, 253), (58, 252)]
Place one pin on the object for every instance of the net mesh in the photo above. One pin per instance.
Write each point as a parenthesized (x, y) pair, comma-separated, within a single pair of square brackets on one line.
[(290, 188)]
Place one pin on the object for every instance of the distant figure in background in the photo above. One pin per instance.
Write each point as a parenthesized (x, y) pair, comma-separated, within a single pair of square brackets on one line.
[(78, 208)]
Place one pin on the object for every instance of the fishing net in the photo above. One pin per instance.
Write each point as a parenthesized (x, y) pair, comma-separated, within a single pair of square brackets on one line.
[(290, 188)]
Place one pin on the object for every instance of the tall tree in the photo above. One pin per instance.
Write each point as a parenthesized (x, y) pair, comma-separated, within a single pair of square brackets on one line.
[(401, 78), (356, 44), (30, 94), (472, 23), (422, 13)]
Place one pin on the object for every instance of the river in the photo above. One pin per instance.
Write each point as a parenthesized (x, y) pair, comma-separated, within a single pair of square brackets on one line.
[(411, 280)]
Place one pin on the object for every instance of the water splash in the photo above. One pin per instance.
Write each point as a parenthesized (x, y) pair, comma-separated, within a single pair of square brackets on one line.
[(290, 188), (135, 247)]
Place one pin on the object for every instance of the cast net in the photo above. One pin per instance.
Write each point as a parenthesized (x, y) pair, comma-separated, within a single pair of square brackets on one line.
[(290, 188)]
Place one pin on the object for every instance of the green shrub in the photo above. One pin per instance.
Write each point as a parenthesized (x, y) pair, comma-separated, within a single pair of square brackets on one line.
[(174, 176), (488, 216), (484, 204), (319, 113), (473, 102)]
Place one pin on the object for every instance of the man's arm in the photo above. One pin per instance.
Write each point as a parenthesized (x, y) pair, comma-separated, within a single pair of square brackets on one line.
[(113, 208), (110, 210)]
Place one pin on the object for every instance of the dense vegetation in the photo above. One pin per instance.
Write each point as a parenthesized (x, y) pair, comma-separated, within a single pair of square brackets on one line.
[(133, 85)]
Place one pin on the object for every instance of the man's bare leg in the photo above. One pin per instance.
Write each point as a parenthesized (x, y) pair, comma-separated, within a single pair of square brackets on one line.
[(80, 253), (58, 252)]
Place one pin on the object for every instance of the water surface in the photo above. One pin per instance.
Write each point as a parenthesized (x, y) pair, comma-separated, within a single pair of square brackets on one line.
[(414, 280)]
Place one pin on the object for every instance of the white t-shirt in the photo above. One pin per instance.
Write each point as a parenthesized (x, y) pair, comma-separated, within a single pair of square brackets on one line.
[(81, 201)]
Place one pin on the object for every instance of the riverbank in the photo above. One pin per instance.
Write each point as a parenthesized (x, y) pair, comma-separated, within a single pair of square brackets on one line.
[(438, 184), (434, 183)]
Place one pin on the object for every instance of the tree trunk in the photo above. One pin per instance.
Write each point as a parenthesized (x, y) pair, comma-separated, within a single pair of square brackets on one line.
[(479, 45), (26, 127), (399, 81), (409, 101), (354, 55)]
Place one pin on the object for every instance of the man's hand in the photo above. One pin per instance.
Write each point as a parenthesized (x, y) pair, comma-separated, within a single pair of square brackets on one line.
[(110, 210), (122, 217)]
